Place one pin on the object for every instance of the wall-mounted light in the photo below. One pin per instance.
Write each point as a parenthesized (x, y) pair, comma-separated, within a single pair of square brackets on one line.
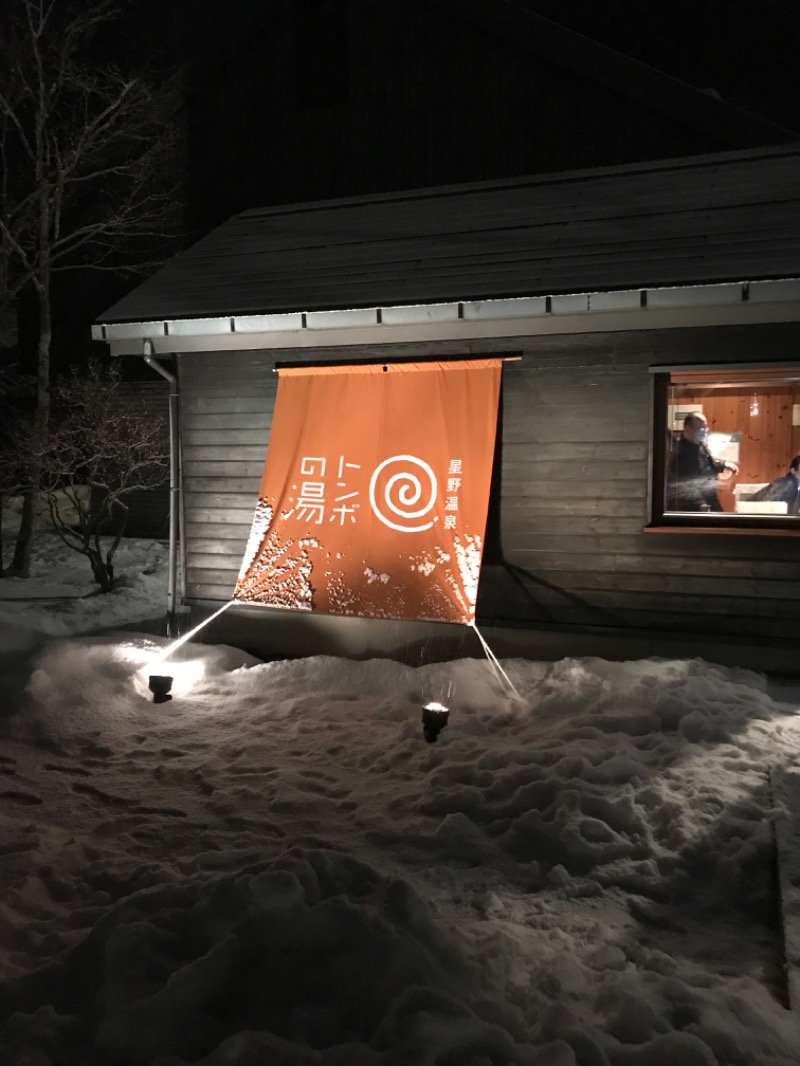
[(434, 719), (754, 406)]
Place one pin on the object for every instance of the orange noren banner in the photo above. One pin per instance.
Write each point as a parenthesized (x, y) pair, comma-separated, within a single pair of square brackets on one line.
[(375, 491)]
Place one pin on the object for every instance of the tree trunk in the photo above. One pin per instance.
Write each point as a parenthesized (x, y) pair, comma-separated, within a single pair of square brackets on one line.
[(23, 549), (103, 572)]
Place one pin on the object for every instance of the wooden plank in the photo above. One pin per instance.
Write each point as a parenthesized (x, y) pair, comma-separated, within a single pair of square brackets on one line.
[(573, 451), (637, 551), (587, 372), (567, 490), (515, 525), (520, 471), (228, 523), (592, 414), (523, 509), (229, 561), (225, 438), (195, 502), (217, 574), (709, 560), (198, 379), (192, 397), (209, 453), (220, 592), (596, 432), (514, 605), (776, 548), (243, 403), (626, 548), (732, 587), (550, 558), (578, 396), (683, 603), (254, 420), (211, 539), (223, 468), (233, 485), (210, 362), (634, 621)]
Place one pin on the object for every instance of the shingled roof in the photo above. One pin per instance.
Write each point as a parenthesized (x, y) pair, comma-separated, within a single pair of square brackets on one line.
[(700, 220)]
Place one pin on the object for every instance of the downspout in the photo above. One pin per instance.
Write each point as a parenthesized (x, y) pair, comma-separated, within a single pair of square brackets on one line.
[(174, 489)]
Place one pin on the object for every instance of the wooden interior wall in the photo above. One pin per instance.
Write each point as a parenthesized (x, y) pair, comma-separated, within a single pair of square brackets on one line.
[(768, 439), (574, 487)]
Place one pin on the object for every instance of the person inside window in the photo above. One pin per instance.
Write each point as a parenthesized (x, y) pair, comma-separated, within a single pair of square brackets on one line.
[(693, 469), (785, 488)]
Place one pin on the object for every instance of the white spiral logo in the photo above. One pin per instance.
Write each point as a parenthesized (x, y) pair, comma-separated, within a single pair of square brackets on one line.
[(401, 493)]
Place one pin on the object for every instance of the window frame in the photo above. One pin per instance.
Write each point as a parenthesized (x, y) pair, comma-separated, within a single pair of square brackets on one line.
[(660, 520)]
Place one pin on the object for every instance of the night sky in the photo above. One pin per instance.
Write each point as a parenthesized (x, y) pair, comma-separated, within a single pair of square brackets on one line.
[(747, 52)]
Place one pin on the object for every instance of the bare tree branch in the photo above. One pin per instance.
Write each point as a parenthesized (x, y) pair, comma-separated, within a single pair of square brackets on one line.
[(100, 447), (88, 154)]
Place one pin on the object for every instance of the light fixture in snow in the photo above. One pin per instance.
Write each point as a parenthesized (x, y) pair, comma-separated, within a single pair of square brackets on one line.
[(185, 673), (434, 719), (160, 685)]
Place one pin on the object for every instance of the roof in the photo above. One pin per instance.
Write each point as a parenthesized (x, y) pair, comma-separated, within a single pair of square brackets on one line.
[(699, 220)]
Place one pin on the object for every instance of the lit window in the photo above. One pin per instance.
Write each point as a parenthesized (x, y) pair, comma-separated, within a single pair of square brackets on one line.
[(727, 448)]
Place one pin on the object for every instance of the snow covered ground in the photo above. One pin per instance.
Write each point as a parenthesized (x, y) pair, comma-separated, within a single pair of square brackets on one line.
[(275, 868)]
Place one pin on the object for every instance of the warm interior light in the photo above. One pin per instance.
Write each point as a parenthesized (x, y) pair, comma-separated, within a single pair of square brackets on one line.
[(434, 719)]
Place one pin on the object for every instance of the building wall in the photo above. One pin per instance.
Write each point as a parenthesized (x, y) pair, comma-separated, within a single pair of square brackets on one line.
[(569, 550)]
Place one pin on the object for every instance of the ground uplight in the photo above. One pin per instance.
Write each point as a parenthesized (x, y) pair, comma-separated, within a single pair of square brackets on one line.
[(434, 719)]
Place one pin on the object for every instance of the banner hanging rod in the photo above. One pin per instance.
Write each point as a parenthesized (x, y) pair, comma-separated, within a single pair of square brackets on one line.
[(512, 357)]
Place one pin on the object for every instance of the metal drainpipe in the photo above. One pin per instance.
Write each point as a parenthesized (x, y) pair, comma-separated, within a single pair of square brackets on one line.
[(174, 488)]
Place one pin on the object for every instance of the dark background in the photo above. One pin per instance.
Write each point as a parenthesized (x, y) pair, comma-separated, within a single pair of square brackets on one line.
[(297, 100)]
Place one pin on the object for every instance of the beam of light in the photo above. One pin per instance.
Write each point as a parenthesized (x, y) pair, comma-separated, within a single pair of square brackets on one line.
[(150, 667), (490, 655)]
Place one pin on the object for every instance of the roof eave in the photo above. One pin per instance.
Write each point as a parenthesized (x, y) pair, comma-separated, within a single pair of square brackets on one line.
[(729, 303)]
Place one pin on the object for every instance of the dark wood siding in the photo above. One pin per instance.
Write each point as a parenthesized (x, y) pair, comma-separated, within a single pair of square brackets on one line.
[(226, 407), (573, 486)]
